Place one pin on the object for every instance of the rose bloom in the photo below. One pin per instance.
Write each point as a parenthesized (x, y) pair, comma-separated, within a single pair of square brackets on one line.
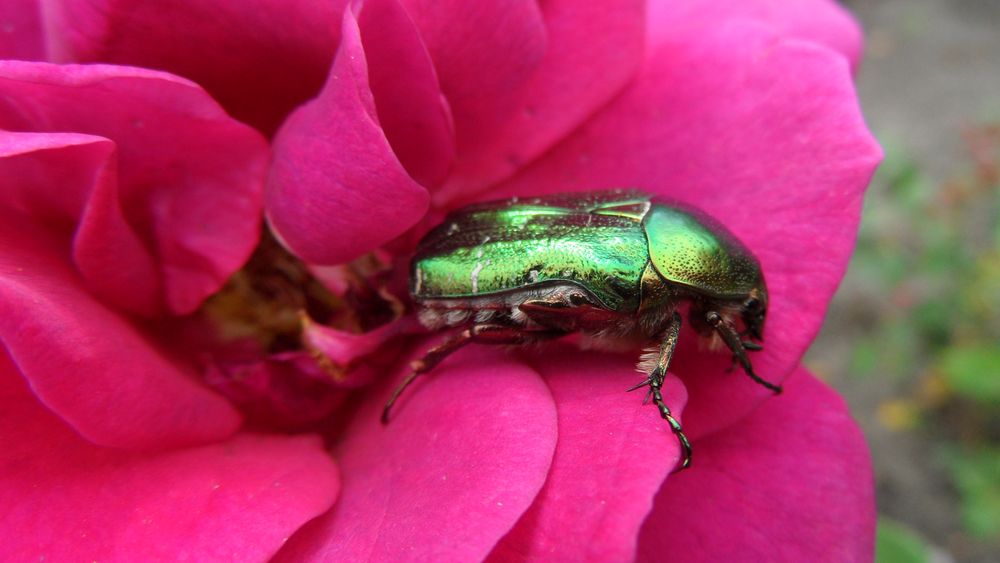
[(206, 210)]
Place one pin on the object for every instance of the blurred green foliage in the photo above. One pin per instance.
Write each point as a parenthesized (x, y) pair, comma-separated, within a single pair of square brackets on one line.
[(896, 543), (977, 475), (927, 266), (929, 260)]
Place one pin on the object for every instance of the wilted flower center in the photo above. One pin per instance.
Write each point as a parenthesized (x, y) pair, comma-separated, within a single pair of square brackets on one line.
[(266, 300), (275, 293), (266, 321)]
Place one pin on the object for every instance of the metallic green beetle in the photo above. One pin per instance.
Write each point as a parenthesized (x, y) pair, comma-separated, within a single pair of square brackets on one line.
[(611, 265)]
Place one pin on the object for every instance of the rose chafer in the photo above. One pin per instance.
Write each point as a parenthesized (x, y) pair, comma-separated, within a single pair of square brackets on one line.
[(612, 265)]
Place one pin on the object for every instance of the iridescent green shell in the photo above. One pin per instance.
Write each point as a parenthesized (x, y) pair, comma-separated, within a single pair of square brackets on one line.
[(600, 241), (695, 251)]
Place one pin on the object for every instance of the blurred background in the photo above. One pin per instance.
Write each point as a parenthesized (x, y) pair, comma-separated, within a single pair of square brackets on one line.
[(912, 339)]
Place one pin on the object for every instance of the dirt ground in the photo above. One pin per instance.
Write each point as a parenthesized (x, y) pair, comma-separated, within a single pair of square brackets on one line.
[(931, 74)]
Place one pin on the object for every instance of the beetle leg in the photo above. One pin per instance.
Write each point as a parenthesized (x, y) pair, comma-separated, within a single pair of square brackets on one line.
[(482, 334), (655, 382), (749, 346), (732, 339)]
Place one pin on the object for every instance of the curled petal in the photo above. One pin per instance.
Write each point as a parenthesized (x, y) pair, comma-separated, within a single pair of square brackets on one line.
[(792, 482), (764, 134), (68, 183), (189, 180), (824, 21), (592, 51), (486, 54), (259, 58), (89, 365), (337, 189), (65, 499), (344, 348), (612, 455), (411, 110), (464, 456)]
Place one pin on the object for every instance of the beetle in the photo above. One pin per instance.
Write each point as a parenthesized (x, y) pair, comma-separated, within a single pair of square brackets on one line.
[(614, 266)]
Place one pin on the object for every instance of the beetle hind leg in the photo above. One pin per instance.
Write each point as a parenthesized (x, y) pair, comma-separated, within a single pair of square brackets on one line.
[(481, 334)]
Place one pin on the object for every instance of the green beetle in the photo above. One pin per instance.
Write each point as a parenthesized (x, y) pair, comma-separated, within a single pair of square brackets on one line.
[(613, 266)]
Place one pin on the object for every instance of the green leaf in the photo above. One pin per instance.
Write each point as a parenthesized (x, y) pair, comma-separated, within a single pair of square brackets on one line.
[(977, 476), (973, 371), (895, 543)]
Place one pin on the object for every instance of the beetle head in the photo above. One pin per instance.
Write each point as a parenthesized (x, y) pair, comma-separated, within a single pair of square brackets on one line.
[(754, 311)]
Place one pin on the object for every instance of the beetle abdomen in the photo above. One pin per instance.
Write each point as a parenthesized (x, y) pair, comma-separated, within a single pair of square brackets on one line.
[(511, 246)]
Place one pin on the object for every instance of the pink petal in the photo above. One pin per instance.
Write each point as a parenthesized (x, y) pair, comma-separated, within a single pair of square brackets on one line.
[(67, 182), (346, 348), (761, 132), (593, 50), (612, 455), (287, 391), (189, 177), (91, 366), (65, 499), (465, 454), (792, 482), (824, 21), (259, 58), (21, 30), (415, 117), (486, 54), (336, 189)]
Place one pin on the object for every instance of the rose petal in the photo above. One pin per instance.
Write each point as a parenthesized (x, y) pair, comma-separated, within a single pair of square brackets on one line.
[(259, 58), (593, 51), (67, 182), (21, 30), (612, 455), (464, 456), (792, 482), (415, 117), (92, 367), (336, 188), (65, 499), (189, 177), (823, 21), (486, 54), (345, 348), (764, 134), (286, 391)]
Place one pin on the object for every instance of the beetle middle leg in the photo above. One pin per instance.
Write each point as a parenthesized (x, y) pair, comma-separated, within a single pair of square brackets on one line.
[(739, 349), (655, 382), (480, 334)]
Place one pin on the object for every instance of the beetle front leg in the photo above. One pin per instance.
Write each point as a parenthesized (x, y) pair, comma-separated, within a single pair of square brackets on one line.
[(655, 382), (482, 334), (732, 339)]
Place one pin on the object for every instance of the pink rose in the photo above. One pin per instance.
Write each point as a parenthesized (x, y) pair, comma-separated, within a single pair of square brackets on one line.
[(136, 424)]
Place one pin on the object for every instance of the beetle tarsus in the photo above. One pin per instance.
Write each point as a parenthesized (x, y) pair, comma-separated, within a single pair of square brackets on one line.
[(395, 395), (425, 364), (482, 334), (675, 426), (732, 339)]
